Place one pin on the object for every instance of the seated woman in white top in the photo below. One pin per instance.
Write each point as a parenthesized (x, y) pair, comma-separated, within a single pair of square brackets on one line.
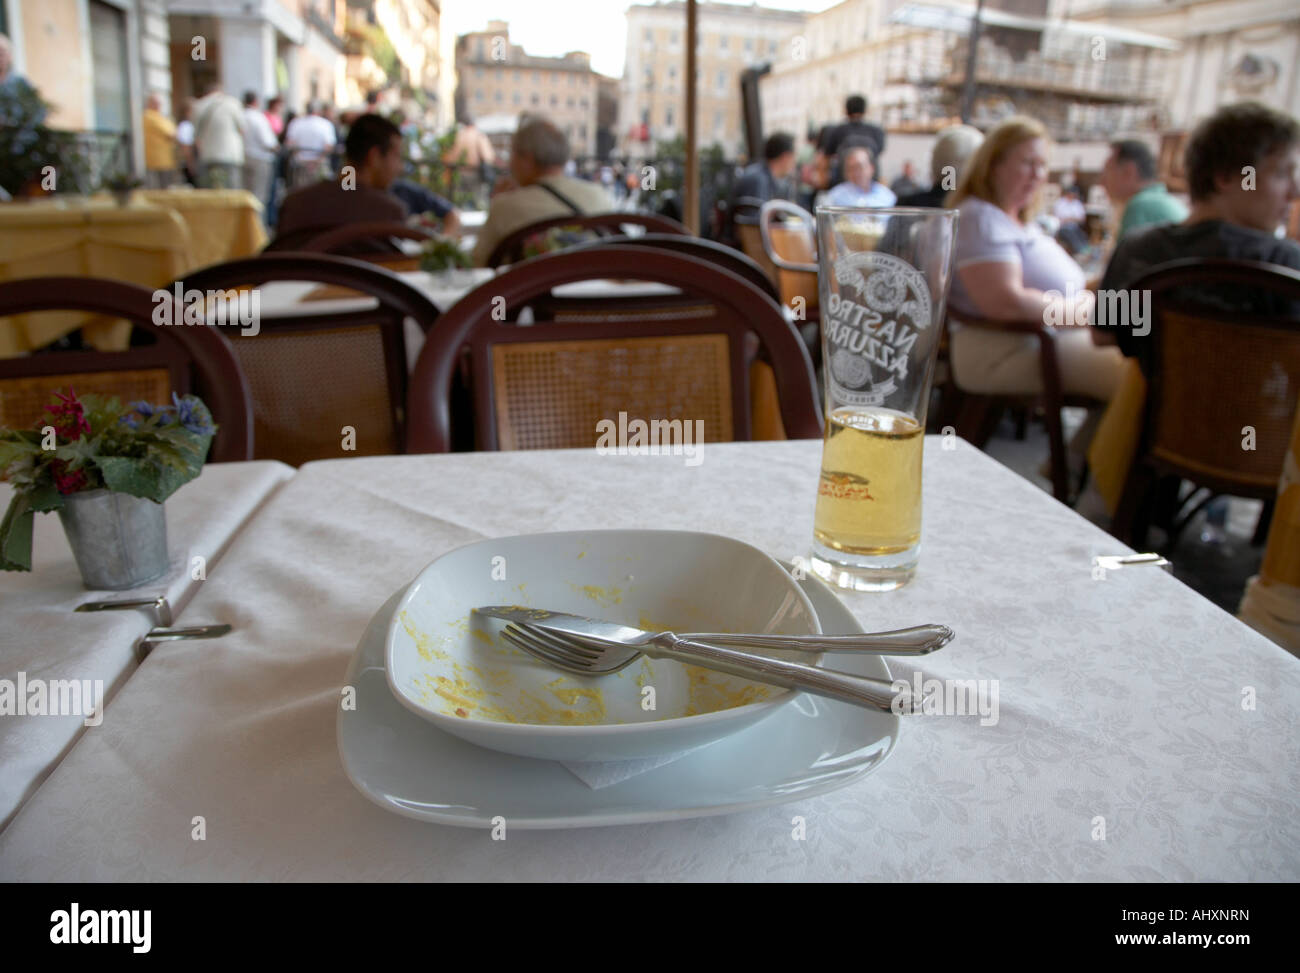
[(860, 187), (1005, 268)]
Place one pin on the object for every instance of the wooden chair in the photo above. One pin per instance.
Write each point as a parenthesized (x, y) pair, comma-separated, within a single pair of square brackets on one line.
[(548, 385), (510, 249), (791, 247), (182, 359), (976, 415), (313, 374), (370, 242), (1211, 373)]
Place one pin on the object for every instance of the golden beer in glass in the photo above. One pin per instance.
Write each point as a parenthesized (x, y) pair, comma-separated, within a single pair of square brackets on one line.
[(883, 275)]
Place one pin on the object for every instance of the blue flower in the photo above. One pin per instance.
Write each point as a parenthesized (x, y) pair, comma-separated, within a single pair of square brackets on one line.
[(189, 418)]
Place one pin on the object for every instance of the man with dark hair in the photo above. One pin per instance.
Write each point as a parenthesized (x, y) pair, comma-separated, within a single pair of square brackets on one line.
[(359, 194), (768, 179), (862, 132), (1243, 173), (1129, 178)]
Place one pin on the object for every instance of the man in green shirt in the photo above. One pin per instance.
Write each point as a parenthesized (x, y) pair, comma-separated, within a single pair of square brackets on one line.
[(1129, 177)]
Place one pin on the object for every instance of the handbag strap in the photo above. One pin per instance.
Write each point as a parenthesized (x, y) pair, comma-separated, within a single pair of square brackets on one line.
[(562, 198)]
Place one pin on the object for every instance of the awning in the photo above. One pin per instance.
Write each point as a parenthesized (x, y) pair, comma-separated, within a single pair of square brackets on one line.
[(957, 19)]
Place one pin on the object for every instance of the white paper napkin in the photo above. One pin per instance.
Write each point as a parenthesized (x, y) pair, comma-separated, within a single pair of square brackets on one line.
[(604, 773)]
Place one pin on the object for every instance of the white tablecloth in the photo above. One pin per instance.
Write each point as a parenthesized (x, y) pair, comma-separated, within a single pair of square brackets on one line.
[(43, 637), (1121, 700)]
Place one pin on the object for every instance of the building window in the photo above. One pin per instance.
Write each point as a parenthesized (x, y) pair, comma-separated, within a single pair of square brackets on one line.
[(537, 77), (649, 36), (749, 45), (668, 117), (583, 103), (771, 47), (674, 38), (517, 98), (478, 96), (569, 103), (498, 96), (722, 81), (516, 77), (722, 43), (554, 101), (537, 100)]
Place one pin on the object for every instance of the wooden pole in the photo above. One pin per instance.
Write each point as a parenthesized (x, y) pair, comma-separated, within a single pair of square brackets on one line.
[(691, 183)]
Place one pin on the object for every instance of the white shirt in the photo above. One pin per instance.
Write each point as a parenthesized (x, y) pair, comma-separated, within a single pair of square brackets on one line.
[(311, 135), (219, 129), (259, 141), (185, 132)]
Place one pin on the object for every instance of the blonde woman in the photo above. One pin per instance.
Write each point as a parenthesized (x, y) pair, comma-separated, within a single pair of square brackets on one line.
[(1008, 269)]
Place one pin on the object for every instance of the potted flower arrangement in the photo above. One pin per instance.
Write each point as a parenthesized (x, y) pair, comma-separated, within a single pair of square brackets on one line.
[(443, 257), (107, 471)]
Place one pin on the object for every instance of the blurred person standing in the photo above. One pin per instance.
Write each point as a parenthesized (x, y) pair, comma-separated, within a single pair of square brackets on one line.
[(275, 116), (185, 142), (260, 149), (159, 145), (310, 139), (1129, 178), (856, 128), (219, 139)]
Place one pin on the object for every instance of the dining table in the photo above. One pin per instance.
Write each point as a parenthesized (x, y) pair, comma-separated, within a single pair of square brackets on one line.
[(1140, 733), (44, 637)]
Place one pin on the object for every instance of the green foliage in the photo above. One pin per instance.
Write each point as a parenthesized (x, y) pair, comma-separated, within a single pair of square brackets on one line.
[(442, 253), (144, 451)]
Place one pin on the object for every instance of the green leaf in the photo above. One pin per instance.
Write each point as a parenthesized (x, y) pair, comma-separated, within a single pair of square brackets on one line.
[(16, 535), (142, 477)]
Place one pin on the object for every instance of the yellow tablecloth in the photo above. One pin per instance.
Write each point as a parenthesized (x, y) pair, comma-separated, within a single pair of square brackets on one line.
[(224, 224), (140, 243), (160, 236)]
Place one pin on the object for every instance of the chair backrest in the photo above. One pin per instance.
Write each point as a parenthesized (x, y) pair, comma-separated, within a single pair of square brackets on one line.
[(183, 359), (371, 242), (708, 250), (510, 249), (547, 386), (790, 245), (1211, 371), (315, 375)]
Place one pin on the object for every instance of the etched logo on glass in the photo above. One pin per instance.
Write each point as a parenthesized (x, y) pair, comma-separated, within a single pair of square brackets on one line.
[(874, 317)]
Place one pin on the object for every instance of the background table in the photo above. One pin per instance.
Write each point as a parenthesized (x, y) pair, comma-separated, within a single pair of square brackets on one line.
[(158, 237), (45, 638), (1119, 698), (140, 244), (224, 224)]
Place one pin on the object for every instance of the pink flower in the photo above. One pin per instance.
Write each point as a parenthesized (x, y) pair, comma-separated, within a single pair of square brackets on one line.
[(68, 482), (69, 417)]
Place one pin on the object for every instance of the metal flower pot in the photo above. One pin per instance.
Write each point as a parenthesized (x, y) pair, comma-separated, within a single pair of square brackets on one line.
[(119, 541)]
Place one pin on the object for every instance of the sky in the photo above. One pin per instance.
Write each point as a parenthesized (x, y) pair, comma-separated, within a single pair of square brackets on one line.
[(553, 27)]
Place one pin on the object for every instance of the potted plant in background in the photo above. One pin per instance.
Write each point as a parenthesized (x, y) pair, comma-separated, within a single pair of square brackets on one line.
[(123, 186), (443, 257), (107, 471)]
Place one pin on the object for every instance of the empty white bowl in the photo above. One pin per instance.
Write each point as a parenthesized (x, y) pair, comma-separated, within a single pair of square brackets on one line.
[(453, 668)]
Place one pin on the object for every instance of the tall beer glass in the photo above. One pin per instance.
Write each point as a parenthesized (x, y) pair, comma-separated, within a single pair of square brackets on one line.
[(883, 275)]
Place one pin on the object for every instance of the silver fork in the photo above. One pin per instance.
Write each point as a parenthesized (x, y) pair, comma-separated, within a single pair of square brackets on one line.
[(591, 656)]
